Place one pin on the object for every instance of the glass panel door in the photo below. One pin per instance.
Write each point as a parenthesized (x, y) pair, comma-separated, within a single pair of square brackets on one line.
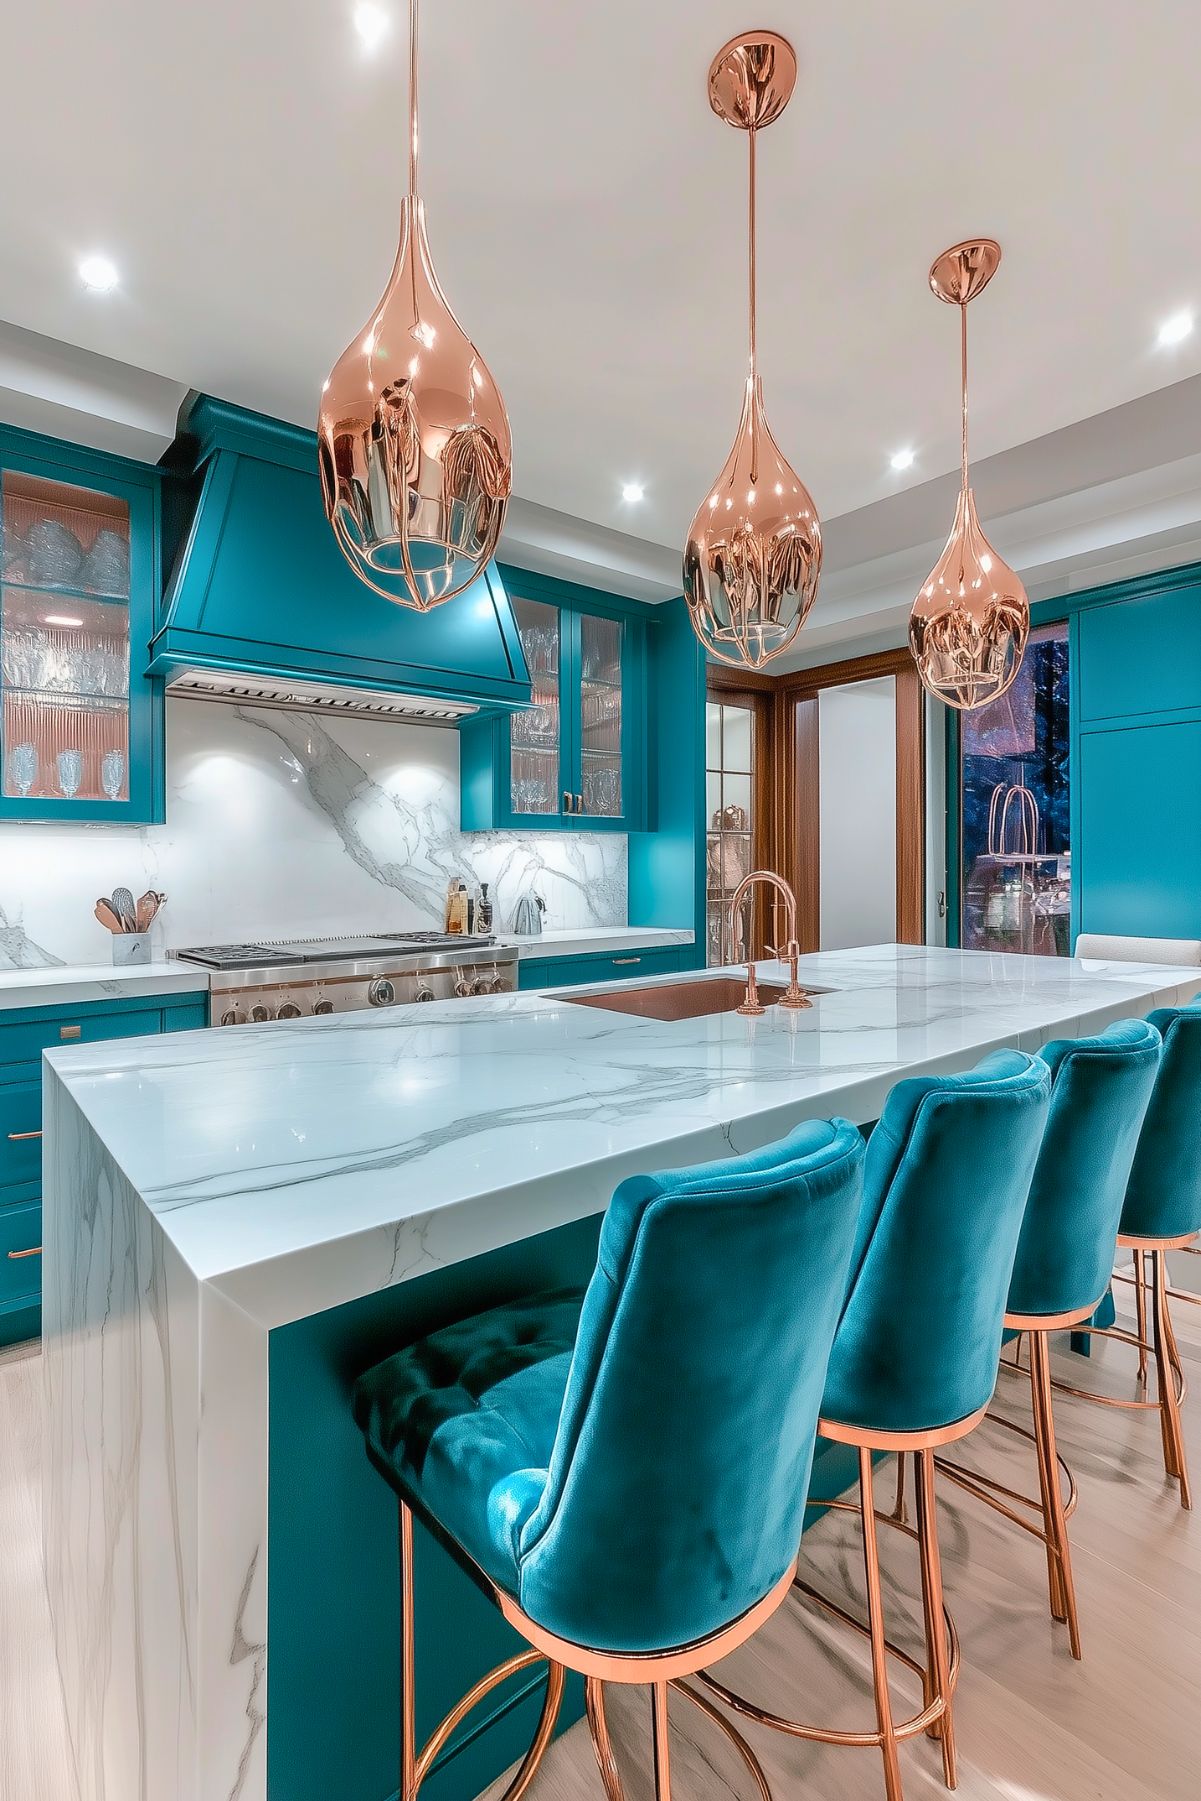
[(601, 647), (729, 785), (64, 641), (536, 733), (1015, 820)]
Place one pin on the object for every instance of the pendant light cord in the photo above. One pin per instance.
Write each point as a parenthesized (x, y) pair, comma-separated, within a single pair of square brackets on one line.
[(412, 99), (751, 258), (963, 387)]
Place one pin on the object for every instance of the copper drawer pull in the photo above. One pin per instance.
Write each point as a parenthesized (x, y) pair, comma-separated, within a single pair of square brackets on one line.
[(620, 962), (69, 1031), (16, 1137), (14, 1256)]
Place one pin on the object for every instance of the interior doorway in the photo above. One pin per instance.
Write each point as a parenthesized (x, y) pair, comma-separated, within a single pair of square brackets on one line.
[(853, 801)]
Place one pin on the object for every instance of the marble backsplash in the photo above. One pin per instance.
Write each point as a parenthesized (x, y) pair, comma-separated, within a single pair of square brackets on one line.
[(284, 825)]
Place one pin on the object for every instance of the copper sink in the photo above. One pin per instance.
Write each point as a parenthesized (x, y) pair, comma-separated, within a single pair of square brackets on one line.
[(680, 1000)]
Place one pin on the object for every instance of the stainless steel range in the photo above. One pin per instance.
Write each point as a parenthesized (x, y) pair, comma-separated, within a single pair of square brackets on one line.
[(287, 979)]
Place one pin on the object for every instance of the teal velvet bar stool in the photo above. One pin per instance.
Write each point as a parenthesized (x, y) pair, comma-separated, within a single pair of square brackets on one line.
[(1161, 1213), (586, 1456), (914, 1362), (1101, 1087)]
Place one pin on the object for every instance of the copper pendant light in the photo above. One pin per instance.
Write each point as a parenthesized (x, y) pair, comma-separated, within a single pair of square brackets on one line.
[(969, 624), (413, 438), (754, 550)]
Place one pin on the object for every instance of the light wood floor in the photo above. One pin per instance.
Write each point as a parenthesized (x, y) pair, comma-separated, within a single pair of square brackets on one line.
[(1124, 1725)]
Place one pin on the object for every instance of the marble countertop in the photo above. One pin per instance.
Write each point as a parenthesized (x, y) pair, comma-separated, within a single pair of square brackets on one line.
[(594, 941), (61, 984), (296, 1166)]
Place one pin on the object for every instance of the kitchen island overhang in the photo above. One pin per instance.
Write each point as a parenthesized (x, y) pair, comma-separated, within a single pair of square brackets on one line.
[(237, 1223)]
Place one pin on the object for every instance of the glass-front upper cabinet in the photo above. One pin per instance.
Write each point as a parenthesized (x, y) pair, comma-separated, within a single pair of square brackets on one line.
[(1015, 855), (536, 733), (574, 759), (78, 726)]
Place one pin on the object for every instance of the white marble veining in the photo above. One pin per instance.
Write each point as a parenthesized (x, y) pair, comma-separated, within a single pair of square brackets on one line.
[(204, 1188), (61, 985), (285, 825)]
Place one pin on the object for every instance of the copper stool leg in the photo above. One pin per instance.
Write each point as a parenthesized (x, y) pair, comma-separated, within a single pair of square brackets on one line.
[(1059, 1553), (875, 1616), (1166, 1361), (602, 1744), (408, 1709), (660, 1740), (939, 1679), (1140, 1307)]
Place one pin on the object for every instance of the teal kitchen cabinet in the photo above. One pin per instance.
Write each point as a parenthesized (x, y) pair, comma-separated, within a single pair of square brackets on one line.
[(576, 758), (1136, 757), (574, 972), (81, 720), (25, 1032)]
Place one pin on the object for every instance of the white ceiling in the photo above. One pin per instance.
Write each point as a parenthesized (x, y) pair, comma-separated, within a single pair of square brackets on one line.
[(241, 164)]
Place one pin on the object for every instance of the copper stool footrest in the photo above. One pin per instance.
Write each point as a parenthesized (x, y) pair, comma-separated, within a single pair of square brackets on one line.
[(1151, 1297), (913, 1727), (1121, 1336), (511, 1667), (976, 1484)]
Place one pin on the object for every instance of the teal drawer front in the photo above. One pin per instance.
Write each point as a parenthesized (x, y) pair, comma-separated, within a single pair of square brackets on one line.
[(20, 1255), (530, 974), (25, 1042), (622, 966), (21, 1136)]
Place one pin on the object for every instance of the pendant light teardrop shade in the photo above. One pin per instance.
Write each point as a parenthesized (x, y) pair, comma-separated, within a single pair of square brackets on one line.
[(754, 551), (970, 622), (414, 446)]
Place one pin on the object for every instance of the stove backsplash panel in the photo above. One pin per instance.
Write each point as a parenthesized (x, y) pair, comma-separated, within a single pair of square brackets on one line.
[(283, 825)]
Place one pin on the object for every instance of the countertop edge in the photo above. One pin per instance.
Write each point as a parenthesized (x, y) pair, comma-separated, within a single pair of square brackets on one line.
[(64, 984)]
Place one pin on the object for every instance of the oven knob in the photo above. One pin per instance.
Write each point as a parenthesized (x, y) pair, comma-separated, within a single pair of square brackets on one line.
[(424, 993), (381, 992), (324, 1007), (289, 1010), (259, 1014), (231, 1018)]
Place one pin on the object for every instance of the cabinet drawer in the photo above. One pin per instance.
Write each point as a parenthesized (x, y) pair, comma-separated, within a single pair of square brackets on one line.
[(20, 1254), (21, 1133), (25, 1043), (622, 966)]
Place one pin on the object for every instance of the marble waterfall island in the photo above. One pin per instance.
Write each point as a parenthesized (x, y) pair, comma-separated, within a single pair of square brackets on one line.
[(237, 1223)]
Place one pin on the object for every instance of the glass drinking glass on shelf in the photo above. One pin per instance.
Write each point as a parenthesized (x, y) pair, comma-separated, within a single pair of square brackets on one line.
[(112, 773), (69, 764), (23, 763)]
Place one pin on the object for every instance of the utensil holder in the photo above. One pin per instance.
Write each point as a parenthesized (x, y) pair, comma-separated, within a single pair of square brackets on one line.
[(130, 948)]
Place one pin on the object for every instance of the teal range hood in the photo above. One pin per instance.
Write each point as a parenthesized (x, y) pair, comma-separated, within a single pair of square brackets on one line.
[(261, 605)]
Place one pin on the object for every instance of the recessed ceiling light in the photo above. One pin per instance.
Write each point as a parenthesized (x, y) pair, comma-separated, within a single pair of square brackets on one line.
[(903, 459), (99, 273), (60, 619), (633, 492), (1175, 329), (372, 24)]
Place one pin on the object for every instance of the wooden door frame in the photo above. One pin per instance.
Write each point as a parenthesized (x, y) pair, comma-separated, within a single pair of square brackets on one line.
[(796, 811)]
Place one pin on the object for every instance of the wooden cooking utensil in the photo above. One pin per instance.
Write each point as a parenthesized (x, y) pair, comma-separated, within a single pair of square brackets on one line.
[(107, 915), (146, 909)]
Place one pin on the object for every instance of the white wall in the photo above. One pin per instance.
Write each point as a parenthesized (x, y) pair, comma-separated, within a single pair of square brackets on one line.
[(857, 762), (283, 825)]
